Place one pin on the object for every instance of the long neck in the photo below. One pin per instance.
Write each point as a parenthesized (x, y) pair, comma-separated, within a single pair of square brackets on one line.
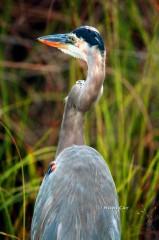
[(94, 81), (71, 128), (79, 101)]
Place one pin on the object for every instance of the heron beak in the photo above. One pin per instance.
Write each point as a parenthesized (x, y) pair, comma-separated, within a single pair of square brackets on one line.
[(64, 43), (57, 40)]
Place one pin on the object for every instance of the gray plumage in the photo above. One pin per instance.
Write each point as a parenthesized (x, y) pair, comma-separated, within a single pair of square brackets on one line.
[(83, 201)]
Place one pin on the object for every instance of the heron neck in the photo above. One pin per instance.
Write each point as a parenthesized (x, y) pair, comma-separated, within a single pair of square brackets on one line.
[(94, 81), (96, 66), (80, 99), (71, 128)]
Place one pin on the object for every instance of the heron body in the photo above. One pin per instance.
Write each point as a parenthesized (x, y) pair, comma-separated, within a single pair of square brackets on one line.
[(77, 199)]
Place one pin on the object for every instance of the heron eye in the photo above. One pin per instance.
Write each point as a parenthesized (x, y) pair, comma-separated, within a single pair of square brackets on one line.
[(72, 39)]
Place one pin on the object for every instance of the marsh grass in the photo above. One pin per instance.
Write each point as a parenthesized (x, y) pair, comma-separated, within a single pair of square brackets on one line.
[(123, 126)]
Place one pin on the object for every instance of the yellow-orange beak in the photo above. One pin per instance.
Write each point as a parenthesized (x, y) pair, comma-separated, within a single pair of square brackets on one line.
[(63, 42), (57, 40)]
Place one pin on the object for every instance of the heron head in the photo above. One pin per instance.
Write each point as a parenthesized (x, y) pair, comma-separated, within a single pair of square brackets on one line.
[(80, 43)]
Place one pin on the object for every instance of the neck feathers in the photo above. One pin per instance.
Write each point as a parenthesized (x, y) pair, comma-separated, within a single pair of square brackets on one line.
[(72, 127), (81, 97), (94, 82)]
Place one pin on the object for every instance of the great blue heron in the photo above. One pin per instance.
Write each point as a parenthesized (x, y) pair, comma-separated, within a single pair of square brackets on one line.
[(77, 199)]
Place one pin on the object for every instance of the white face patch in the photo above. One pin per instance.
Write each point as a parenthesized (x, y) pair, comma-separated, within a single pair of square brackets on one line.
[(73, 51), (79, 50)]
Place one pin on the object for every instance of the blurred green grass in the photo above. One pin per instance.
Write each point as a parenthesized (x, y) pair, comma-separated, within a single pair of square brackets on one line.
[(123, 127)]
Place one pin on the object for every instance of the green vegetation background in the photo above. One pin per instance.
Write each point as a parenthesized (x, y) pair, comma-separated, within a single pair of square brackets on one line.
[(123, 126)]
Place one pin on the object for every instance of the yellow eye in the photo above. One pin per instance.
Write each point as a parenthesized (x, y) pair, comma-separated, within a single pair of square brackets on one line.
[(72, 39)]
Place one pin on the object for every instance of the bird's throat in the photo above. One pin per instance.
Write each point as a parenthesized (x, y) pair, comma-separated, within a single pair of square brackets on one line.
[(80, 100)]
